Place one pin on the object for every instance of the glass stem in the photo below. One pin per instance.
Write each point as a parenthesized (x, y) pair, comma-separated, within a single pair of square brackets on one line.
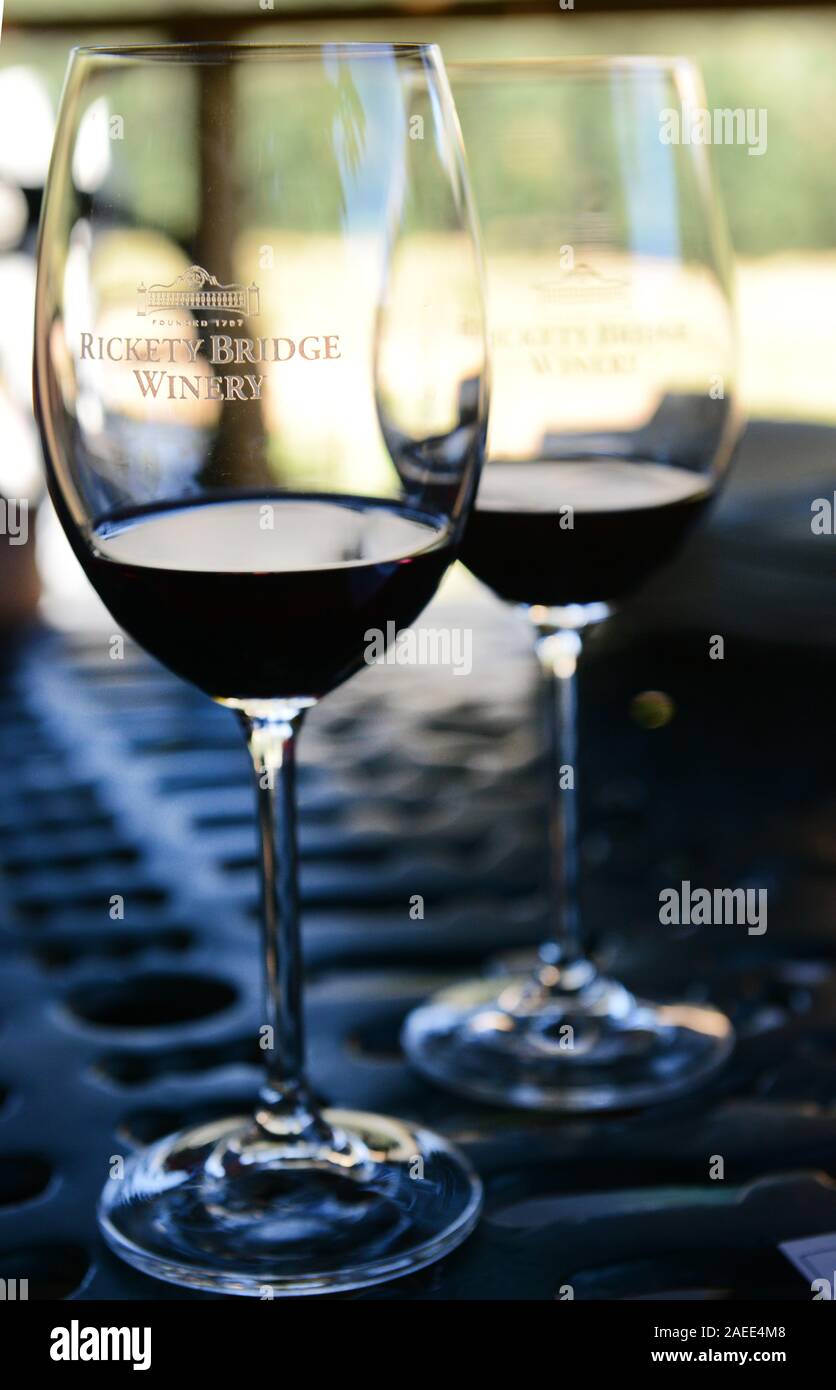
[(559, 652), (270, 729)]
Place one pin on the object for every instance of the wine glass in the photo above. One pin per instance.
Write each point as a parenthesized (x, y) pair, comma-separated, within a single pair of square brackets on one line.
[(260, 378), (613, 420)]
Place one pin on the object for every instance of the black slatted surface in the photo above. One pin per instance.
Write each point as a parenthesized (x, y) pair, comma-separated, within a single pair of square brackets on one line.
[(117, 779)]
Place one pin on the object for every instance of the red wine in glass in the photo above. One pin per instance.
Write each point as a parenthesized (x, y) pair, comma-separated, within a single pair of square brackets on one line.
[(267, 596)]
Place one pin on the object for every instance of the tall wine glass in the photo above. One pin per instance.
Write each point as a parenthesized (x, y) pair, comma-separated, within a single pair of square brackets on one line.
[(260, 381), (613, 420)]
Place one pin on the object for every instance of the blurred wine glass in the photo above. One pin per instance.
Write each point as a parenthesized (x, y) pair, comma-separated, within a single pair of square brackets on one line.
[(613, 420)]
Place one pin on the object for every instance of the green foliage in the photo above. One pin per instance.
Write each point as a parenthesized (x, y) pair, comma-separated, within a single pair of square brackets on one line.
[(780, 60)]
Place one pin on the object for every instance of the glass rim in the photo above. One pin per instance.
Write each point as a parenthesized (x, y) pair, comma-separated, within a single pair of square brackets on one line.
[(616, 62), (211, 49)]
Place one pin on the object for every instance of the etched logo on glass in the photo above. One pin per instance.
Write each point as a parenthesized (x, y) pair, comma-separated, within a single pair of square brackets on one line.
[(197, 289)]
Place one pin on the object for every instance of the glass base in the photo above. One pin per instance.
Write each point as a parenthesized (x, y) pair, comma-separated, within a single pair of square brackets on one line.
[(587, 1045), (231, 1208)]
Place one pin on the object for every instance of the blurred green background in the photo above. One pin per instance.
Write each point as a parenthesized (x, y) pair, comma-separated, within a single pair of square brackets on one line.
[(781, 206)]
